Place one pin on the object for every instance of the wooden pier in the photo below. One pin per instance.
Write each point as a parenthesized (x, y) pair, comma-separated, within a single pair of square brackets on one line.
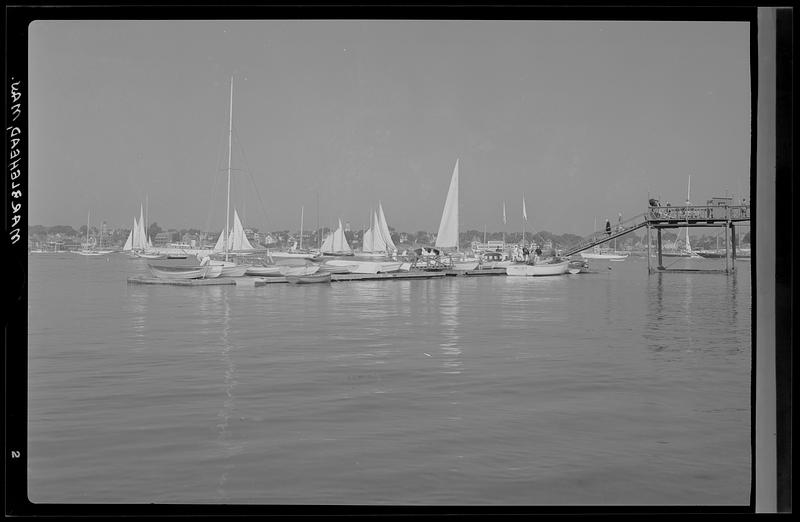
[(719, 213)]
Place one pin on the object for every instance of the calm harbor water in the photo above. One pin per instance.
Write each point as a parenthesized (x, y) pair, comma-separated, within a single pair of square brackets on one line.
[(610, 388)]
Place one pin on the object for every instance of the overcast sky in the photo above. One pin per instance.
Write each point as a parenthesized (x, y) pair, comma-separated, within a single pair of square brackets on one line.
[(584, 118)]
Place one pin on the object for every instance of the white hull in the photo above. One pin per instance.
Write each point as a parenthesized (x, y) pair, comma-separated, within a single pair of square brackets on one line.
[(299, 270), (465, 265), (357, 267), (545, 269), (604, 257), (336, 269), (230, 269), (294, 255), (389, 266), (273, 270), (179, 272)]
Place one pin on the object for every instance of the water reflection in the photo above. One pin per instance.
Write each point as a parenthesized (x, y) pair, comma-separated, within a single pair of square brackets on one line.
[(230, 447), (448, 318), (136, 304), (693, 313)]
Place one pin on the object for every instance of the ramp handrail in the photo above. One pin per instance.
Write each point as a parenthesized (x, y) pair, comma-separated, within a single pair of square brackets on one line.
[(602, 236)]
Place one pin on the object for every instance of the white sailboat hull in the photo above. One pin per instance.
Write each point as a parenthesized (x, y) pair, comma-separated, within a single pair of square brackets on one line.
[(299, 270), (465, 265), (604, 257), (179, 272), (545, 269), (273, 270)]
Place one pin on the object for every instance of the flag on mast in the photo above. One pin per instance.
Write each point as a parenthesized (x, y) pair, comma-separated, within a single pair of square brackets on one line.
[(504, 212), (524, 213)]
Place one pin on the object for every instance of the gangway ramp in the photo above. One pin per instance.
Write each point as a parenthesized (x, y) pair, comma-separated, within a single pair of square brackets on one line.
[(602, 236)]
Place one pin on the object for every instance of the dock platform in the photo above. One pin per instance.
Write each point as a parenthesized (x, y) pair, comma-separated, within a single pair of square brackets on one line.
[(261, 281)]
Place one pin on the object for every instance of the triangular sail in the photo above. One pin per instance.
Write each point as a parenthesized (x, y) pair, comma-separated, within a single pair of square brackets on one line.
[(336, 242), (142, 235), (378, 243), (448, 226), (368, 244), (220, 245), (135, 235), (327, 244), (384, 228), (129, 242), (237, 239), (339, 240)]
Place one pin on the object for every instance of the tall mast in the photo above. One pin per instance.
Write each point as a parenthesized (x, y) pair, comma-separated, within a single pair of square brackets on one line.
[(146, 220), (87, 228), (319, 238), (524, 219), (688, 203), (228, 206), (301, 227)]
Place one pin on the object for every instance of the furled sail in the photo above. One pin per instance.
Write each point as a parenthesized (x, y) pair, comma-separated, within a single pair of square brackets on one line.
[(448, 226)]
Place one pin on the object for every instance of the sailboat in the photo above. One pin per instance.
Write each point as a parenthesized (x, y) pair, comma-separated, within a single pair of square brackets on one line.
[(447, 236), (686, 251), (88, 247), (335, 244), (297, 252), (231, 239), (378, 240)]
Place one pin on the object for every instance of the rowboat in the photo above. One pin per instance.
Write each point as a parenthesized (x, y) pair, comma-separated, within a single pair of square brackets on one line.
[(265, 270), (544, 269), (337, 269), (179, 271), (311, 278), (355, 266), (293, 271)]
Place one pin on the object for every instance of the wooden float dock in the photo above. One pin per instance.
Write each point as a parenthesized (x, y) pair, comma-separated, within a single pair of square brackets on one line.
[(662, 270), (261, 281)]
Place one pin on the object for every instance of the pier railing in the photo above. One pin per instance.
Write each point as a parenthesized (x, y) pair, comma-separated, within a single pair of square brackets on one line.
[(664, 216), (695, 213)]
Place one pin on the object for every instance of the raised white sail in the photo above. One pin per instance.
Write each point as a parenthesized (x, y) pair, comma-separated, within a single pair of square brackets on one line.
[(140, 237), (374, 238), (384, 229), (368, 243), (129, 242), (336, 242), (237, 239), (448, 226)]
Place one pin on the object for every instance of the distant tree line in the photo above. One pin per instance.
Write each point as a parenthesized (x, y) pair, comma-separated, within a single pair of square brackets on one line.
[(282, 238)]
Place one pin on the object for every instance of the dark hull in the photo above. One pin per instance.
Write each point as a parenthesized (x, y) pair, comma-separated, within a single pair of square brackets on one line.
[(313, 278)]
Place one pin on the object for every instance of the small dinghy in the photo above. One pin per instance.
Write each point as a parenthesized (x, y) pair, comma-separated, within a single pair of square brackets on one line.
[(324, 277)]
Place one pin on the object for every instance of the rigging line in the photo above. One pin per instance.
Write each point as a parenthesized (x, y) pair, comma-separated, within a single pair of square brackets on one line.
[(248, 171), (215, 175)]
